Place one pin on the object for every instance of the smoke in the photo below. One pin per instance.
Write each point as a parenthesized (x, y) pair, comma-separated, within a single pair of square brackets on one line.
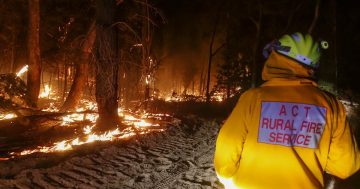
[(180, 70), (186, 39)]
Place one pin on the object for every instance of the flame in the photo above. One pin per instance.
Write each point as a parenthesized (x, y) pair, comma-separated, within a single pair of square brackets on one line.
[(22, 70), (147, 79), (7, 116), (46, 92), (90, 137), (174, 97), (136, 126)]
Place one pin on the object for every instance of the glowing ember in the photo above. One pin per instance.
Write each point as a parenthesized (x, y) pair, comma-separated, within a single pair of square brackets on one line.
[(51, 108), (7, 116), (218, 97), (22, 70)]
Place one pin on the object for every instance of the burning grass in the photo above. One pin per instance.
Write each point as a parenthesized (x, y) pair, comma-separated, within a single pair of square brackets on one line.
[(56, 132)]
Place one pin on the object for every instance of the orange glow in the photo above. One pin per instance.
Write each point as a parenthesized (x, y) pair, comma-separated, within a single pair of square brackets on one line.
[(90, 137), (136, 126), (46, 92), (7, 116), (22, 71), (218, 98), (147, 79)]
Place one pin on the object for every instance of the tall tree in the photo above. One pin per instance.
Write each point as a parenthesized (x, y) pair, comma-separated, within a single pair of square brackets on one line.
[(81, 66), (33, 77), (212, 52), (107, 67), (146, 45)]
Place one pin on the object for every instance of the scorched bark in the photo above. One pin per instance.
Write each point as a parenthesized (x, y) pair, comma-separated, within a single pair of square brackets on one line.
[(77, 88), (106, 64), (33, 77)]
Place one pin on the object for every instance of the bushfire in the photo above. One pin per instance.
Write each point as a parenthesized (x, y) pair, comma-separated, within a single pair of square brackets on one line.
[(137, 124)]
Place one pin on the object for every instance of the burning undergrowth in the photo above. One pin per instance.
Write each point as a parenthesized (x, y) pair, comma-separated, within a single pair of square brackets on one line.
[(25, 130), (50, 131)]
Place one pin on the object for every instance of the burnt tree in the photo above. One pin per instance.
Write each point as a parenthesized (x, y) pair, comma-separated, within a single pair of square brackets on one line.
[(33, 77), (81, 73), (146, 44), (106, 53)]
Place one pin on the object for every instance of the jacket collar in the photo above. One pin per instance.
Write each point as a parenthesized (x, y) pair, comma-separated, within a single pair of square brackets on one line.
[(281, 67), (289, 82)]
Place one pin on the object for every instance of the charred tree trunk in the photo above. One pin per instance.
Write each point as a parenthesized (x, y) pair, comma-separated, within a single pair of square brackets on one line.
[(33, 77), (66, 67), (13, 52), (106, 65), (146, 44), (78, 85)]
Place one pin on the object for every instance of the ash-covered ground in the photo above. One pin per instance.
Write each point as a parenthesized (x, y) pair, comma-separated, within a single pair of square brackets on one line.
[(180, 157)]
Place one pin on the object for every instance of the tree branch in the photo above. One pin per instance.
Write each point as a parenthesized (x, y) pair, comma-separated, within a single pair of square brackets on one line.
[(297, 8), (128, 27), (156, 10), (316, 16), (218, 49)]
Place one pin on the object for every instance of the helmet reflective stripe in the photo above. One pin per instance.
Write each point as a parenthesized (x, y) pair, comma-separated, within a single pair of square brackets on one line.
[(301, 48), (303, 59)]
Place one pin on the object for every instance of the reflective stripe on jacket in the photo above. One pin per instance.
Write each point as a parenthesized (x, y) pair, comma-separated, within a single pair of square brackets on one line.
[(285, 133)]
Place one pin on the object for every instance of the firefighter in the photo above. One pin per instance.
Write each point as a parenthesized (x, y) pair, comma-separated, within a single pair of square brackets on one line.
[(287, 133)]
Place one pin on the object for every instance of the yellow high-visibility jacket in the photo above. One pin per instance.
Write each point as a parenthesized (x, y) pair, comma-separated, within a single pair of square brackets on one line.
[(285, 133)]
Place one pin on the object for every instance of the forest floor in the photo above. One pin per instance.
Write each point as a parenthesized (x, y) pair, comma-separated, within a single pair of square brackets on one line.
[(179, 157)]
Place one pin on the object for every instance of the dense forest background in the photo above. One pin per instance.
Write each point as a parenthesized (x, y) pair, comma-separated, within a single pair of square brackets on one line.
[(166, 48)]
